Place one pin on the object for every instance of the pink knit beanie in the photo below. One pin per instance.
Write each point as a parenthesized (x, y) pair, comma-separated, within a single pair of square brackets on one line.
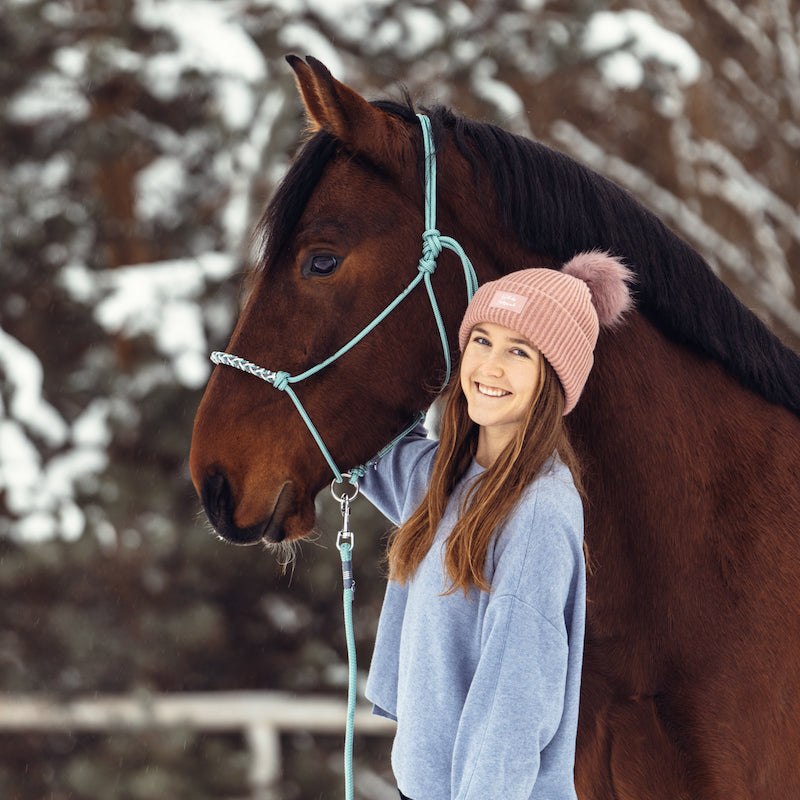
[(560, 312)]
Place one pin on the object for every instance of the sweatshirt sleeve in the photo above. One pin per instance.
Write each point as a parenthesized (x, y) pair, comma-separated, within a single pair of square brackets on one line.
[(516, 703), (397, 483)]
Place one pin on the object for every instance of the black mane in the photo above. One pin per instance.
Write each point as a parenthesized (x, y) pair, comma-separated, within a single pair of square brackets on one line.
[(559, 207)]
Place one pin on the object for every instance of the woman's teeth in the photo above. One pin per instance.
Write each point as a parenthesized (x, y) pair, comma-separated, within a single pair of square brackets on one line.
[(490, 391)]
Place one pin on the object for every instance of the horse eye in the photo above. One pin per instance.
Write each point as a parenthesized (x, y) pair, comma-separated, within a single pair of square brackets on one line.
[(323, 265)]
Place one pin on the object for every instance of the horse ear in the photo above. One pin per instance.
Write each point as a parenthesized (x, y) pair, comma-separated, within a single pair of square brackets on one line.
[(306, 85), (346, 114)]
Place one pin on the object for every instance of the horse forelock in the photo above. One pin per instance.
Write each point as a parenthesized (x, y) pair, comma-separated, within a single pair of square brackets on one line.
[(559, 207)]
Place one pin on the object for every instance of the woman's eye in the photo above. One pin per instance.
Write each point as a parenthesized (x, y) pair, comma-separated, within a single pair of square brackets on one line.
[(481, 340), (517, 352), (323, 265)]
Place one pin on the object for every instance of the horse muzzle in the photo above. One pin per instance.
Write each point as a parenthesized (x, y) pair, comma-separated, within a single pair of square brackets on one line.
[(220, 506)]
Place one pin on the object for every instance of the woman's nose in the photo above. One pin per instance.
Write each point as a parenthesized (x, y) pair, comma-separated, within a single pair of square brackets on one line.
[(493, 365)]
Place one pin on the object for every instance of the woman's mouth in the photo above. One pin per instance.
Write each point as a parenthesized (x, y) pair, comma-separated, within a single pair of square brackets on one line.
[(490, 391)]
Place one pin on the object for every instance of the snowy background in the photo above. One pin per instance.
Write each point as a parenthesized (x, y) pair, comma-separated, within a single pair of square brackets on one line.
[(139, 140)]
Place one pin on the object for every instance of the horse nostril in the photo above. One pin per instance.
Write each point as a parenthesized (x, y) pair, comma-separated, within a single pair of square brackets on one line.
[(220, 505), (217, 499)]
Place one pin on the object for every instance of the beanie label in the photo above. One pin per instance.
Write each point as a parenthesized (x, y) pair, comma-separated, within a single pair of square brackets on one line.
[(509, 301)]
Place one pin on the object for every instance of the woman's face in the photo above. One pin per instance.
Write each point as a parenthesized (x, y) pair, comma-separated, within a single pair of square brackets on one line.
[(500, 378)]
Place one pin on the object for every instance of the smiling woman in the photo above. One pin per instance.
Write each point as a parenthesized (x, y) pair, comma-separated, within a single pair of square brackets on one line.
[(487, 573)]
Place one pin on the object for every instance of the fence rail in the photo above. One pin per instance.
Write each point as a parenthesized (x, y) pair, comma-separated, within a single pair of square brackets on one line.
[(262, 716)]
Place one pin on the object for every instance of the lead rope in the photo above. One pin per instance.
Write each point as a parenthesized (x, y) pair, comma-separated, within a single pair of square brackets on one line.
[(344, 543)]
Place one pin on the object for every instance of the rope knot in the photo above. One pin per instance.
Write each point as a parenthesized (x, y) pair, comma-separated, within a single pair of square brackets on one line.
[(431, 248), (431, 242), (281, 380)]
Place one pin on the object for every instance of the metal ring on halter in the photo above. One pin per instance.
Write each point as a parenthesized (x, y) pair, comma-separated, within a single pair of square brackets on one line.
[(339, 498)]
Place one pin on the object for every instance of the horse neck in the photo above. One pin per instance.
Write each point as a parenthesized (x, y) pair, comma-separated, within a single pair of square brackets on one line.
[(662, 403), (691, 482)]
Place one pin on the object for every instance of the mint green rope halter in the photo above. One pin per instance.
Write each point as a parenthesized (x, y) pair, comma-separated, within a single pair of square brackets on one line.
[(432, 244)]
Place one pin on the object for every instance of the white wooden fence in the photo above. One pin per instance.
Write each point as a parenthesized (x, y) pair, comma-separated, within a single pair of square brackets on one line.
[(262, 716)]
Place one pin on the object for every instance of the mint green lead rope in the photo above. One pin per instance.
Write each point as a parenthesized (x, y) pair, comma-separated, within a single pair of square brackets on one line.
[(344, 542)]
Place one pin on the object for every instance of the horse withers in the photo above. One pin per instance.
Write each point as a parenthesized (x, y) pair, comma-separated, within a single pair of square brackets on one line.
[(689, 426)]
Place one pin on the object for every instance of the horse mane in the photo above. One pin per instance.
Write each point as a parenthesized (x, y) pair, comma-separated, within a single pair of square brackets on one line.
[(559, 207)]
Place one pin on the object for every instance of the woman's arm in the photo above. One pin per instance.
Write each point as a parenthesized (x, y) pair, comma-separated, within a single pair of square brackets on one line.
[(397, 483)]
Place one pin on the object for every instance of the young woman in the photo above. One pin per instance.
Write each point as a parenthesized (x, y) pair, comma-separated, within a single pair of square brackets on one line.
[(479, 647)]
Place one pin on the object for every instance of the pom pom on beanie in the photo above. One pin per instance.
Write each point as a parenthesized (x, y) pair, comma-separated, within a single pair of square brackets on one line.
[(607, 279), (558, 311)]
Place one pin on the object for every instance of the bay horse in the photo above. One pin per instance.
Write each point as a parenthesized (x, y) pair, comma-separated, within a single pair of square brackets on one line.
[(689, 426)]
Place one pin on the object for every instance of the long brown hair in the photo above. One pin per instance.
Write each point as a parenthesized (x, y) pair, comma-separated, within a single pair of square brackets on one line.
[(494, 493)]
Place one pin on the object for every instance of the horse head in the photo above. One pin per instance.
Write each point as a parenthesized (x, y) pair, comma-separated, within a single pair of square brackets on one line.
[(343, 238)]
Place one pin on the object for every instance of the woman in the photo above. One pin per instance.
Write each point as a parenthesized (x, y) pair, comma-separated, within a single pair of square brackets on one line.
[(480, 642)]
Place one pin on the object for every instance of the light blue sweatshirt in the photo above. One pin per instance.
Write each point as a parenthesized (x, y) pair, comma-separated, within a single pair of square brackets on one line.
[(484, 687)]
